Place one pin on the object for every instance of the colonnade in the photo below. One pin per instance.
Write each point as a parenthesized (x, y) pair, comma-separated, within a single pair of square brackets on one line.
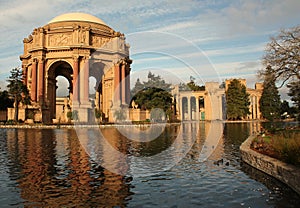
[(254, 107), (121, 92)]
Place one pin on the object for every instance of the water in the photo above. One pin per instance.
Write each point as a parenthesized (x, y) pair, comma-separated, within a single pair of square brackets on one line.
[(50, 168)]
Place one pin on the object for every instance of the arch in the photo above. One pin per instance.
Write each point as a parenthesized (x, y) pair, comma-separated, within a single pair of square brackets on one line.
[(58, 68), (97, 71)]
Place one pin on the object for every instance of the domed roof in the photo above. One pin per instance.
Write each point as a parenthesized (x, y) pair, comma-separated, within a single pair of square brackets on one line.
[(77, 16)]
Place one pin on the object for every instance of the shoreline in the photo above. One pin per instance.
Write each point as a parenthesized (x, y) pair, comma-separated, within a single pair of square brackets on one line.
[(71, 125), (286, 173)]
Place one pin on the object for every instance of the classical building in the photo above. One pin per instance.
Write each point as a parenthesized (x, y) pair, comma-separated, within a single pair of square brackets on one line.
[(76, 46), (210, 104)]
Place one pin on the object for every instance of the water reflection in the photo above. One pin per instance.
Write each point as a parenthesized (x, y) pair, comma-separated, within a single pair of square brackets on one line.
[(54, 171), (51, 168)]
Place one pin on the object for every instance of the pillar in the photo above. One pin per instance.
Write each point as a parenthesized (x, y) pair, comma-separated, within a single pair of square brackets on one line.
[(33, 81), (180, 105), (189, 108), (197, 108), (255, 107), (41, 80), (116, 85), (123, 83), (75, 80), (24, 72), (84, 83)]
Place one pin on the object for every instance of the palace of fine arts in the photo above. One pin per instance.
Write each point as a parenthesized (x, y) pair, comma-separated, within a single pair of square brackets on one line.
[(153, 104)]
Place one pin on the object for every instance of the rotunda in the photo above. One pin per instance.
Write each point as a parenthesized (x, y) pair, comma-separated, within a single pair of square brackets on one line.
[(77, 46)]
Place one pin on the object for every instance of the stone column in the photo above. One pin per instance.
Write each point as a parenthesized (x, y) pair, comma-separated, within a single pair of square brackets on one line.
[(41, 80), (24, 72), (179, 100), (189, 108), (197, 108), (84, 83), (33, 81), (123, 81), (75, 80), (255, 107), (117, 92)]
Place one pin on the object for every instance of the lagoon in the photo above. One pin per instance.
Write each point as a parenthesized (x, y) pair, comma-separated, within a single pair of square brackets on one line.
[(184, 165)]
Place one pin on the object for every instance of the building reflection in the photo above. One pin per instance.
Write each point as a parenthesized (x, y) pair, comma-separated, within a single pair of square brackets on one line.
[(55, 171)]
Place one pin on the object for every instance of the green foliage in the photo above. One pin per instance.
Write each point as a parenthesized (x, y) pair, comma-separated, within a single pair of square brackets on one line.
[(270, 99), (5, 101), (195, 87), (154, 97), (120, 115), (73, 115), (98, 113), (153, 81), (191, 86), (294, 92), (17, 89), (237, 101), (30, 114), (155, 93), (137, 87)]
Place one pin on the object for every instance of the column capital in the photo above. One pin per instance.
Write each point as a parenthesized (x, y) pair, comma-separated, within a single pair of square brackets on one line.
[(75, 57), (40, 60)]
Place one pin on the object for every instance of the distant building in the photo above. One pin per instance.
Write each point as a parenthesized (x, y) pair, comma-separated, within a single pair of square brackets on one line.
[(210, 104)]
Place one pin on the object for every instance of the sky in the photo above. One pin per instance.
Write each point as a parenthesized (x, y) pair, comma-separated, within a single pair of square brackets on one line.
[(210, 40)]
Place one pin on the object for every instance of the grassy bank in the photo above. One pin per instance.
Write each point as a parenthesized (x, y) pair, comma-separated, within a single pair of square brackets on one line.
[(283, 144)]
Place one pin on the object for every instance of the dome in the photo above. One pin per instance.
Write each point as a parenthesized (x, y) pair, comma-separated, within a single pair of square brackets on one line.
[(77, 16)]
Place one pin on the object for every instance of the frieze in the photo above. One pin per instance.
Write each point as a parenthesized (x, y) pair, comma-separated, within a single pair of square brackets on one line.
[(60, 39), (98, 41)]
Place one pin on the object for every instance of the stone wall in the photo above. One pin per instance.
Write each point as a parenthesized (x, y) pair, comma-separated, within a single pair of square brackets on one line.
[(286, 173)]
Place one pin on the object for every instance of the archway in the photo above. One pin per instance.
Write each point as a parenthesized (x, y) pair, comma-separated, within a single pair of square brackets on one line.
[(96, 81), (64, 69)]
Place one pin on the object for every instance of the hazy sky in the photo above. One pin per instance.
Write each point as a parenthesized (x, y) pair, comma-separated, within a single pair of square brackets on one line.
[(209, 40)]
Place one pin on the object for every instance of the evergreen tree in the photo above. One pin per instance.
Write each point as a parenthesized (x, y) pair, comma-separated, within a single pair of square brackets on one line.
[(137, 87), (237, 101), (294, 92), (5, 101), (270, 99), (17, 90), (191, 86)]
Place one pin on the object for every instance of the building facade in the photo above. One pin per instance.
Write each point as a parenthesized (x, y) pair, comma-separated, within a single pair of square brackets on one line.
[(210, 104), (76, 46)]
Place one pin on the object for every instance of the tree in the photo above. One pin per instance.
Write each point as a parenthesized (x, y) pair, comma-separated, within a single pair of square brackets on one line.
[(5, 101), (137, 87), (17, 90), (283, 56), (269, 102), (154, 93), (191, 86), (237, 101), (154, 97), (294, 92)]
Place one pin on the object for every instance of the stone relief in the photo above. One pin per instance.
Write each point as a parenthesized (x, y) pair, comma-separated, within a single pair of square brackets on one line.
[(99, 41), (60, 39)]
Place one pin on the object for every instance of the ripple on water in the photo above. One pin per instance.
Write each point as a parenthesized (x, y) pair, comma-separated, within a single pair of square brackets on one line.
[(40, 168)]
